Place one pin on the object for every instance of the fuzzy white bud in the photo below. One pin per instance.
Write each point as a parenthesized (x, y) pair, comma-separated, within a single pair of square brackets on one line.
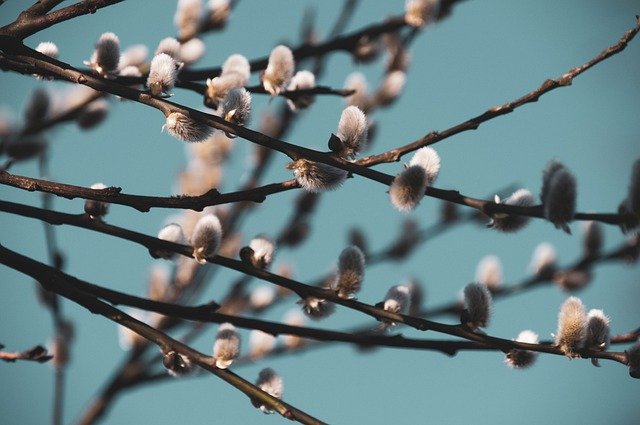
[(357, 81), (593, 238), (511, 222), (391, 87), (558, 195), (134, 55), (633, 356), (237, 64), (106, 55), (428, 159), (572, 327), (317, 308), (477, 302), (130, 71), (219, 11), (263, 250), (96, 209), (169, 46), (302, 80), (271, 383), (37, 107), (236, 107), (185, 128), (93, 114), (48, 48), (543, 260), (316, 176), (226, 347), (350, 273), (187, 18), (279, 70), (351, 133), (162, 75), (520, 359), (408, 187), (172, 232), (397, 301), (419, 13), (261, 297), (598, 336), (260, 343), (206, 238), (489, 272), (293, 318), (192, 51)]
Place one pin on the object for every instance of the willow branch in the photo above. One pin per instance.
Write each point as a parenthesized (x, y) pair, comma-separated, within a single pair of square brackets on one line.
[(303, 290), (25, 55), (29, 23), (56, 282), (548, 85)]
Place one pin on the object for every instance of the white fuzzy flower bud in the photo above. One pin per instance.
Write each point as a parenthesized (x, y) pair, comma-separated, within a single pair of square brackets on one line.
[(350, 272), (237, 64), (633, 356), (317, 308), (351, 134), (572, 327), (316, 176), (271, 383), (130, 71), (37, 107), (391, 87), (106, 55), (543, 260), (558, 195), (477, 302), (226, 347), (185, 128), (92, 114), (408, 187), (633, 198), (510, 222), (357, 81), (96, 209), (187, 18), (169, 46), (159, 286), (293, 318), (489, 272), (135, 55), (206, 238), (428, 159), (598, 337), (260, 344), (261, 297), (172, 232), (48, 48), (520, 359), (162, 75), (218, 13), (593, 238), (279, 70), (192, 51), (397, 300), (302, 80), (419, 13), (236, 107), (176, 364), (263, 249)]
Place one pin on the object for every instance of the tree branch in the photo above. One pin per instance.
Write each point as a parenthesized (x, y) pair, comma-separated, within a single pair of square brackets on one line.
[(35, 354)]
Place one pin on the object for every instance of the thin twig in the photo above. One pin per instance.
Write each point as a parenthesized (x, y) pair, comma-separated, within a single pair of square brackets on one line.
[(36, 354)]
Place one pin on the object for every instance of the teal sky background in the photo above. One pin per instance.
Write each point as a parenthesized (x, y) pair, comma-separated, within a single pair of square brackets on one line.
[(485, 54)]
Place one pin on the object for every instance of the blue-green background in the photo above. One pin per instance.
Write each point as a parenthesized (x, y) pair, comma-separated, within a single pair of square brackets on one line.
[(487, 53)]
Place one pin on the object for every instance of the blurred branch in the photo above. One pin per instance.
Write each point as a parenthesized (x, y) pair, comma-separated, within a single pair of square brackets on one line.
[(35, 354)]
